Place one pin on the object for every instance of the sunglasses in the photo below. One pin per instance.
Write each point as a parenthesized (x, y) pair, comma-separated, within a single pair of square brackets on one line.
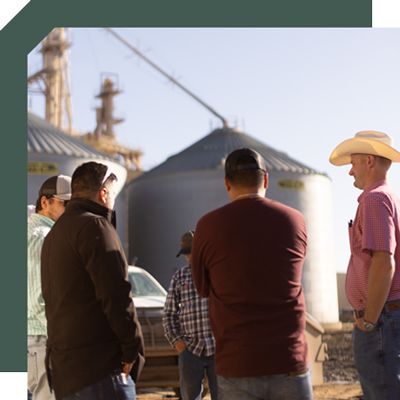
[(63, 202)]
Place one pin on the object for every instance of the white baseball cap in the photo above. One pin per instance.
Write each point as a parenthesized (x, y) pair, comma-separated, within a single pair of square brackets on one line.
[(57, 186)]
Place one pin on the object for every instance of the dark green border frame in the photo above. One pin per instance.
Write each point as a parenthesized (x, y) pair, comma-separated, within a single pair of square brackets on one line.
[(30, 26)]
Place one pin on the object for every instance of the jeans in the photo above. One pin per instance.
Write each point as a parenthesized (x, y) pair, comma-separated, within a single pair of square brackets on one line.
[(271, 387), (377, 357), (112, 387), (191, 375), (37, 377)]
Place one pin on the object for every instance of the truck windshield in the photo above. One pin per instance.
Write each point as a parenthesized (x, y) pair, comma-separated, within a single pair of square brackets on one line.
[(142, 285)]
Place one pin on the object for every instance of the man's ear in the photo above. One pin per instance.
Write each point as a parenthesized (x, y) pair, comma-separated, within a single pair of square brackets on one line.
[(102, 195), (266, 181), (44, 202), (371, 160)]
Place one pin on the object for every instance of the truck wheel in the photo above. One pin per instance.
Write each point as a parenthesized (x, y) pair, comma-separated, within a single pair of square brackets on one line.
[(178, 393)]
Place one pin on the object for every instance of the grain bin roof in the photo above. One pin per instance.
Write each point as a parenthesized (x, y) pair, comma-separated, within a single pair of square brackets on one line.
[(45, 138), (212, 151)]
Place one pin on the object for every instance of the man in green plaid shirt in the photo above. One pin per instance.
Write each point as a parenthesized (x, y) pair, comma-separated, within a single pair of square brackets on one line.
[(53, 198)]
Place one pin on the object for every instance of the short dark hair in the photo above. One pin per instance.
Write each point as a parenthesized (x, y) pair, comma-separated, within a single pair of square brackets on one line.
[(87, 179), (246, 178), (39, 201), (384, 162)]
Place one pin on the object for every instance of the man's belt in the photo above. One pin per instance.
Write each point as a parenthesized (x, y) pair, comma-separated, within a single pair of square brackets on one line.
[(303, 371), (395, 305)]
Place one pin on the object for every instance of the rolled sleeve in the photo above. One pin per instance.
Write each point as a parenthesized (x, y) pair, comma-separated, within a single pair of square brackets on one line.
[(379, 232)]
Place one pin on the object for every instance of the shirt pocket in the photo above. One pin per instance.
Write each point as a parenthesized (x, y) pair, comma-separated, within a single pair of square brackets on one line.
[(188, 294), (355, 239), (351, 235), (184, 294)]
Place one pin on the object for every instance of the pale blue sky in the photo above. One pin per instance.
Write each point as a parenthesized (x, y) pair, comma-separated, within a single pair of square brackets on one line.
[(301, 91)]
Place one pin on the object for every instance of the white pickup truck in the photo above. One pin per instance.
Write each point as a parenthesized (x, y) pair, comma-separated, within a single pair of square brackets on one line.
[(161, 367)]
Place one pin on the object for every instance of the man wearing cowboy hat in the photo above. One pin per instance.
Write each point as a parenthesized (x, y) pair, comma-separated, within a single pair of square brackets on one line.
[(373, 274)]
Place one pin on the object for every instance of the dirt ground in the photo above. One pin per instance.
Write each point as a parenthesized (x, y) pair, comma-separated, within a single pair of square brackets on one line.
[(340, 375), (324, 392)]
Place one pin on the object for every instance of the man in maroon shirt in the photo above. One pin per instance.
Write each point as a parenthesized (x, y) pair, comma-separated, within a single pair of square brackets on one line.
[(247, 257), (373, 274)]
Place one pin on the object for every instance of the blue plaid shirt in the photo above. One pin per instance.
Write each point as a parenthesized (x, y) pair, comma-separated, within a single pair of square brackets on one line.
[(186, 315)]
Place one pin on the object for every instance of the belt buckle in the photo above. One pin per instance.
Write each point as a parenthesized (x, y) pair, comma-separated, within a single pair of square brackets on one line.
[(360, 313)]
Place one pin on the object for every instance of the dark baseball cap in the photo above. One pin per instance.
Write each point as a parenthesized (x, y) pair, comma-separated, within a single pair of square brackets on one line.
[(233, 158), (57, 186), (186, 243)]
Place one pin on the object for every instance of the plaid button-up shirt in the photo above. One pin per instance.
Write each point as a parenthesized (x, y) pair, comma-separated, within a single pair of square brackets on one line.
[(186, 315), (38, 228), (376, 227)]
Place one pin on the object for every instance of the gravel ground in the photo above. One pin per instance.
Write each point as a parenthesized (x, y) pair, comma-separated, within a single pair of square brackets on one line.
[(340, 367), (340, 375)]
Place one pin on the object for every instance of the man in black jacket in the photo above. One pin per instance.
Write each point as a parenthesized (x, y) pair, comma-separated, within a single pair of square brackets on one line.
[(95, 343)]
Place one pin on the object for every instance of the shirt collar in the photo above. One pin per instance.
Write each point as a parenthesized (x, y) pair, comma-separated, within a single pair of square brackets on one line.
[(372, 187), (39, 218), (94, 207)]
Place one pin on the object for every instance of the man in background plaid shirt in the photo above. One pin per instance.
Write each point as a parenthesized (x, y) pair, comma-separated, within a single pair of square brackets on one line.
[(187, 328)]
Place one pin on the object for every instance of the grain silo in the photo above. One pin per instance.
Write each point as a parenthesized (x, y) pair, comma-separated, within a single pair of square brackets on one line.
[(170, 199), (51, 152)]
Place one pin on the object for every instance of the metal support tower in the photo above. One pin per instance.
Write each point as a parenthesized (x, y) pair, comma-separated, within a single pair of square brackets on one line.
[(105, 119), (55, 75), (103, 138)]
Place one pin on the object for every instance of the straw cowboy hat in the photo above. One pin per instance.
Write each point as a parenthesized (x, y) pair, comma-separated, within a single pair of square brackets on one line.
[(365, 142)]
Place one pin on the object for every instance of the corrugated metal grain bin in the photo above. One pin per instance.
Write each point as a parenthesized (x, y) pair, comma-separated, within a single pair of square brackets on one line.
[(169, 200), (51, 152)]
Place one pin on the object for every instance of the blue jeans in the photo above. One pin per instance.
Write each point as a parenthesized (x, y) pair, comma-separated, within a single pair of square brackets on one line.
[(191, 375), (111, 387), (37, 376), (271, 387), (377, 357)]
